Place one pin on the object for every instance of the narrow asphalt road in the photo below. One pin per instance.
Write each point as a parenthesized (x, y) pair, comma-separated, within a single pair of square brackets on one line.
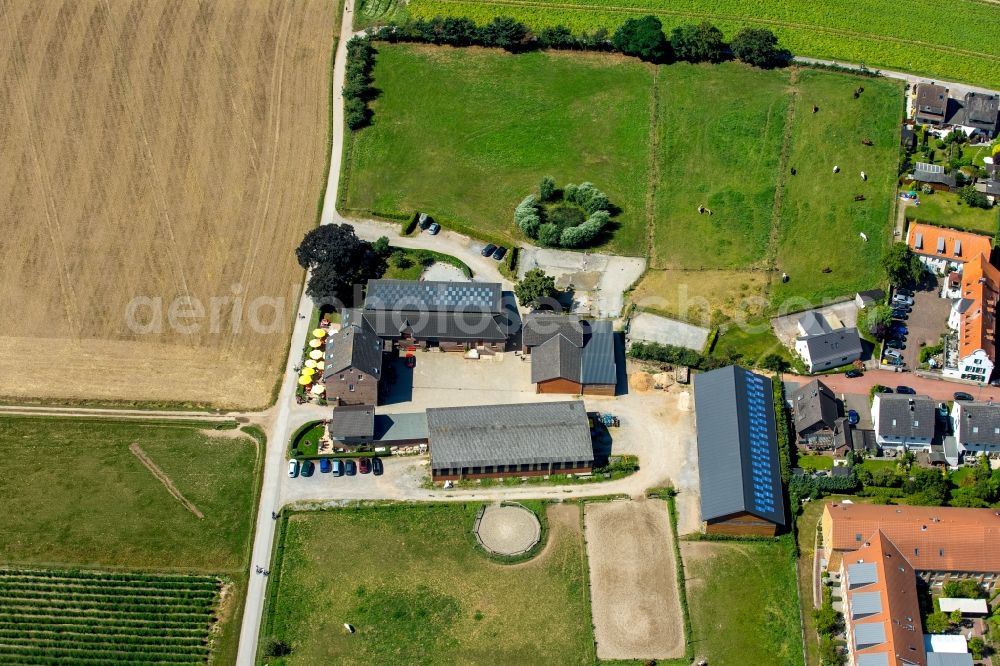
[(956, 89), (938, 389)]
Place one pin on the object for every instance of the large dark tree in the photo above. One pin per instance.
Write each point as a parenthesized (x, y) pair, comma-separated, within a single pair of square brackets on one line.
[(504, 32), (642, 37), (697, 43), (901, 266), (535, 288), (337, 259), (757, 47)]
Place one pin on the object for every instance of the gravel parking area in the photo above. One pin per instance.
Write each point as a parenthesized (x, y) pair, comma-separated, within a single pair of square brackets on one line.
[(598, 280), (786, 328), (444, 272), (508, 530), (654, 328), (633, 581)]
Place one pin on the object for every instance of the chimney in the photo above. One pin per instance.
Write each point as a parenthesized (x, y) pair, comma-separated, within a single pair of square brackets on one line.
[(910, 400)]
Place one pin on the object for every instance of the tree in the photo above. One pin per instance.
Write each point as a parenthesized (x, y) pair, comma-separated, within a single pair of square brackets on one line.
[(274, 647), (547, 188), (504, 32), (973, 198), (548, 235), (829, 652), (381, 247), (697, 43), (827, 619), (774, 362), (642, 37), (535, 287), (557, 37), (902, 266), (756, 46), (937, 623), (876, 320), (584, 234), (977, 646), (337, 259)]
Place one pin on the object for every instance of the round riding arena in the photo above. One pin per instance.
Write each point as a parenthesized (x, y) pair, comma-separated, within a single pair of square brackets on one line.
[(508, 529)]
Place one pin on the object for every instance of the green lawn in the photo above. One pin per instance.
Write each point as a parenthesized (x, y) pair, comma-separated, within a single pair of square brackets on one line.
[(724, 156), (944, 209), (815, 462), (418, 592), (820, 221), (744, 602), (753, 342), (407, 264), (465, 134)]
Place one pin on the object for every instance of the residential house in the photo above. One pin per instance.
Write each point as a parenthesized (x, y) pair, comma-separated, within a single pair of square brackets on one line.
[(933, 175), (815, 412), (871, 297), (981, 113), (738, 464), (940, 543), (352, 366), (454, 316), (930, 104), (976, 312), (823, 346), (530, 439), (977, 426), (904, 422), (352, 426), (570, 355), (881, 609), (943, 250)]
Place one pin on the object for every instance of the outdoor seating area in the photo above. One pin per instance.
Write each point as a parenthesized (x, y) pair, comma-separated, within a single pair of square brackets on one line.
[(311, 386)]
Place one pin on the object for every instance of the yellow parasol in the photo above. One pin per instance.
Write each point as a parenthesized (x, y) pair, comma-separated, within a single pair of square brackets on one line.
[(314, 343), (304, 380), (308, 372), (319, 333), (310, 363), (318, 389), (316, 354)]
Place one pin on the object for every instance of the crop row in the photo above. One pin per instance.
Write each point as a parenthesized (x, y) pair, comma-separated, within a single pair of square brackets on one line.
[(130, 649), (105, 607), (956, 58), (80, 590), (128, 585), (74, 638), (103, 575), (97, 597), (88, 625), (105, 617), (19, 654), (33, 660)]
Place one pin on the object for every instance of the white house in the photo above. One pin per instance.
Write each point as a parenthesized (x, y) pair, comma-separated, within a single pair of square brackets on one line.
[(973, 316), (977, 426), (903, 422), (823, 346)]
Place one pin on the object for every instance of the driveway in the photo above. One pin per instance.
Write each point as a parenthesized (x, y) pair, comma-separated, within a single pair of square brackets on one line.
[(786, 328), (925, 324), (598, 281), (938, 389), (654, 328)]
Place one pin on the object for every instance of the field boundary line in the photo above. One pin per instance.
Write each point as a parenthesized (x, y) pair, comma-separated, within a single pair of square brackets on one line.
[(164, 479), (840, 32), (771, 257), (652, 164)]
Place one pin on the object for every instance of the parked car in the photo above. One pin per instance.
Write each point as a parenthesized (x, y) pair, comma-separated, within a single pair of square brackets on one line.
[(424, 221), (488, 250), (899, 328), (962, 395), (308, 467), (293, 468), (324, 466), (905, 300), (893, 354), (853, 417), (500, 253), (882, 389), (338, 468), (900, 314), (434, 228), (351, 468), (410, 361), (851, 374), (905, 390), (364, 465), (377, 468), (904, 291), (895, 343)]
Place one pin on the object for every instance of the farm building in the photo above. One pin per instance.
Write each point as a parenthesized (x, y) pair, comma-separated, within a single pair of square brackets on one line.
[(738, 453), (509, 440), (352, 425), (570, 355), (353, 366), (454, 316), (940, 543)]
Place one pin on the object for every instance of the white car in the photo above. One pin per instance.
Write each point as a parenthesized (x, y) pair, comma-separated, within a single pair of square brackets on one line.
[(900, 298), (892, 353), (293, 468)]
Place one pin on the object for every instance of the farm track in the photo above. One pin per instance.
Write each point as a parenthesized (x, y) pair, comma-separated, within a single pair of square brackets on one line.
[(840, 32), (652, 164), (771, 255), (162, 477)]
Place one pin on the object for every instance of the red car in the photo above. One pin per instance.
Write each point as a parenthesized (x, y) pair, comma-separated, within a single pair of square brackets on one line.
[(364, 465), (410, 361)]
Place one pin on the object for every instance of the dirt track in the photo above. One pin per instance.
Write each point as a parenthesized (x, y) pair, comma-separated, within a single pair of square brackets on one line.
[(633, 581), (158, 150), (162, 477)]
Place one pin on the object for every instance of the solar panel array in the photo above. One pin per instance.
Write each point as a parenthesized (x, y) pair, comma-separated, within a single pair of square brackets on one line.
[(760, 445), (436, 296)]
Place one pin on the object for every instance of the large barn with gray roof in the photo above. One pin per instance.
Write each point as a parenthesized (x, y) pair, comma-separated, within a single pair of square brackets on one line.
[(570, 355), (738, 464)]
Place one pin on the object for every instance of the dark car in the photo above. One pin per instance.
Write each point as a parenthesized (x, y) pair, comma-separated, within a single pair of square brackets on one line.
[(377, 468), (851, 374), (904, 291), (905, 390), (424, 221), (895, 343), (853, 417), (324, 466), (338, 468), (962, 395), (350, 468), (500, 253), (434, 228), (488, 250), (882, 389), (364, 465), (410, 361), (900, 328), (308, 467), (900, 314)]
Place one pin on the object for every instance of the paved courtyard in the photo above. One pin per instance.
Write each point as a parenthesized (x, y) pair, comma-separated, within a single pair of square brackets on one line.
[(598, 280), (926, 323), (654, 328)]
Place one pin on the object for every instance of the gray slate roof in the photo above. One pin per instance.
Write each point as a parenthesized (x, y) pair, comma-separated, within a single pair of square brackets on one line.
[(814, 323), (979, 422), (356, 347), (352, 422), (737, 445), (814, 404), (871, 295), (517, 434), (896, 419), (592, 364), (554, 359), (409, 426), (834, 346), (932, 173), (433, 296), (539, 327), (981, 111), (598, 362)]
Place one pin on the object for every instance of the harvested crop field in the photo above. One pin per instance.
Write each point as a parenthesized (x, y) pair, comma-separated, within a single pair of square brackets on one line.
[(165, 151), (633, 581)]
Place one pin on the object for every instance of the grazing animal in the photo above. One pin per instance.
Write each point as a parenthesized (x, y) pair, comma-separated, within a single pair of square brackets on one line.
[(836, 169), (793, 171), (864, 176), (867, 142), (815, 109)]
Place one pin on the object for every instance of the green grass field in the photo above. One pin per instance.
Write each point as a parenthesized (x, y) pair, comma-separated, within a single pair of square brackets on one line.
[(953, 43), (743, 601), (944, 209), (407, 264), (418, 592)]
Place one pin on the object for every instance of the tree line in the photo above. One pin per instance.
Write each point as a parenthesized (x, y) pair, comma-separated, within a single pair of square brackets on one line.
[(641, 37)]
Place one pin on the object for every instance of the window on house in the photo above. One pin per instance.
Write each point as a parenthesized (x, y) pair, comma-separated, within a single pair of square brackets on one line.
[(351, 387)]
